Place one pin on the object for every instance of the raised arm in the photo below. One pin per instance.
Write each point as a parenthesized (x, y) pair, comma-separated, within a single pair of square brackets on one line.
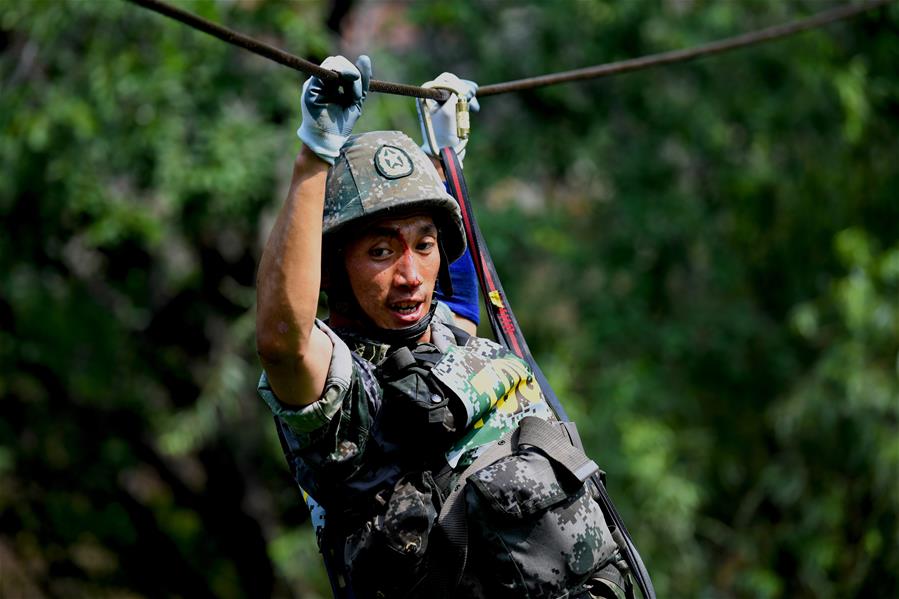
[(294, 352)]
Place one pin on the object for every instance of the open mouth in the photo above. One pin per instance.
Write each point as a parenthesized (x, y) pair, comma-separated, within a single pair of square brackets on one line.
[(408, 311), (407, 308)]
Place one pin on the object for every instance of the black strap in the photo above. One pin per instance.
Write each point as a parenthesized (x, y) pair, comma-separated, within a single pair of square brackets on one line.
[(553, 441), (399, 360), (452, 524), (459, 335), (404, 336), (508, 332)]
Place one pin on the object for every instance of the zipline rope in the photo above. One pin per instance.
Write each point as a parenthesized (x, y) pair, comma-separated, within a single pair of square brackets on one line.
[(604, 70), (280, 56), (644, 62)]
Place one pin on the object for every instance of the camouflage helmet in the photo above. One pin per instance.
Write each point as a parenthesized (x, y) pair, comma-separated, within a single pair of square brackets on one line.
[(385, 174)]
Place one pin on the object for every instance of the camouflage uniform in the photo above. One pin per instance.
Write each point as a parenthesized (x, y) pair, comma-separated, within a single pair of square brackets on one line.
[(381, 449)]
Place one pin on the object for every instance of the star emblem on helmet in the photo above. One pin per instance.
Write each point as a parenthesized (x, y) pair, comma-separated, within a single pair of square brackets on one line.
[(392, 162)]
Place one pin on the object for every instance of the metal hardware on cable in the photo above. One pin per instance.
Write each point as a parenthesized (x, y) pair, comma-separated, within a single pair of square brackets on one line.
[(463, 120), (604, 70), (425, 116)]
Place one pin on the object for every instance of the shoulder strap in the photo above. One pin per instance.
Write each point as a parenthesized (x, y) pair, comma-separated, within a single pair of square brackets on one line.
[(553, 440), (508, 333), (461, 336), (397, 361)]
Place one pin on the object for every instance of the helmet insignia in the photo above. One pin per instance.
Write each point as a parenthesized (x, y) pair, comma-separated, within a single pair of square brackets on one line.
[(393, 162)]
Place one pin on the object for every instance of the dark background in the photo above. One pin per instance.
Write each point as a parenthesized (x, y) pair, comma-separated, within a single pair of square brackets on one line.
[(704, 258)]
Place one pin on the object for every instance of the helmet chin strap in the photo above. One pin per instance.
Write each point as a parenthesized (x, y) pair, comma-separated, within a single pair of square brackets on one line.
[(404, 336), (349, 311)]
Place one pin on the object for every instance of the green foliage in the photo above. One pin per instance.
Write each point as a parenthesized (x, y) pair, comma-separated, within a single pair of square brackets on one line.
[(843, 412), (711, 282)]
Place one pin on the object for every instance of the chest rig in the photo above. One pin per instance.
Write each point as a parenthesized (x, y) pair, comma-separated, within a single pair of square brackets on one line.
[(444, 401), (477, 444), (417, 409), (483, 494)]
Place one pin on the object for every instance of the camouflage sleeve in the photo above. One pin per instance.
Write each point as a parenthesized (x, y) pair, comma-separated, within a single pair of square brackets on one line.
[(348, 395)]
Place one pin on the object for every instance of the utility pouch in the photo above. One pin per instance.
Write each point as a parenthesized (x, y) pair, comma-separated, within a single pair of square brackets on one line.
[(416, 409), (535, 529), (386, 555)]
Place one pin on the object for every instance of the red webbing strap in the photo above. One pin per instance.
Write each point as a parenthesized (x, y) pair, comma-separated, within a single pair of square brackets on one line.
[(508, 334), (502, 320)]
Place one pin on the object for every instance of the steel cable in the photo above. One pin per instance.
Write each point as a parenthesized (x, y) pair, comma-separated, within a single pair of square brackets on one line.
[(604, 70), (644, 62), (278, 55)]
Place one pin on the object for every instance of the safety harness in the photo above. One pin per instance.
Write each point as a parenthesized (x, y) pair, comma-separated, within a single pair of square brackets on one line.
[(508, 333)]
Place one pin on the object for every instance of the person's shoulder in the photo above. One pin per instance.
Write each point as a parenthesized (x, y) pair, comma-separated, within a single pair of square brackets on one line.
[(444, 314), (362, 351), (445, 334)]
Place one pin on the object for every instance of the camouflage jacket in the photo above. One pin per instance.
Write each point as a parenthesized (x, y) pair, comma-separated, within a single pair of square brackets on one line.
[(348, 455), (535, 532)]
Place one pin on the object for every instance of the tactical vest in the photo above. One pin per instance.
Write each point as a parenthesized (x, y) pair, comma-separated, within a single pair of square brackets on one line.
[(494, 500)]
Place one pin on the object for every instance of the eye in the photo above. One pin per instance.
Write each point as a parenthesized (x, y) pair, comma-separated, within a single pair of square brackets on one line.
[(426, 245), (379, 252)]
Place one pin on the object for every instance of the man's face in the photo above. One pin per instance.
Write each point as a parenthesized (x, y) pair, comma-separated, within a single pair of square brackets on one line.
[(392, 268)]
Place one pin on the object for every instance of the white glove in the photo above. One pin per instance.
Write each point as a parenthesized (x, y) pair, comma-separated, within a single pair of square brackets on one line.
[(443, 116), (330, 109)]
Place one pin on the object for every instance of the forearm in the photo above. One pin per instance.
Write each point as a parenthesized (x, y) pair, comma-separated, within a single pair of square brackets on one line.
[(289, 277)]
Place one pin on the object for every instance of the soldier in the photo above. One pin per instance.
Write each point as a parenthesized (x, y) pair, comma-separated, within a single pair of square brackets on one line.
[(403, 425)]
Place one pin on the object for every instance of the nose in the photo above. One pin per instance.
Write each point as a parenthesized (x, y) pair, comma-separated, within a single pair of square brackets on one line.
[(407, 271)]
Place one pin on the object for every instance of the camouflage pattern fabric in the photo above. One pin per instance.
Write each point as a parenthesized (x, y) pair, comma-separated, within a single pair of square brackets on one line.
[(497, 389), (535, 530), (387, 555), (331, 435), (380, 498)]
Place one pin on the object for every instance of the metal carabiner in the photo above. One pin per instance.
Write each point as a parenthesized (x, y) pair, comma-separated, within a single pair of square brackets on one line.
[(463, 120), (424, 115)]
